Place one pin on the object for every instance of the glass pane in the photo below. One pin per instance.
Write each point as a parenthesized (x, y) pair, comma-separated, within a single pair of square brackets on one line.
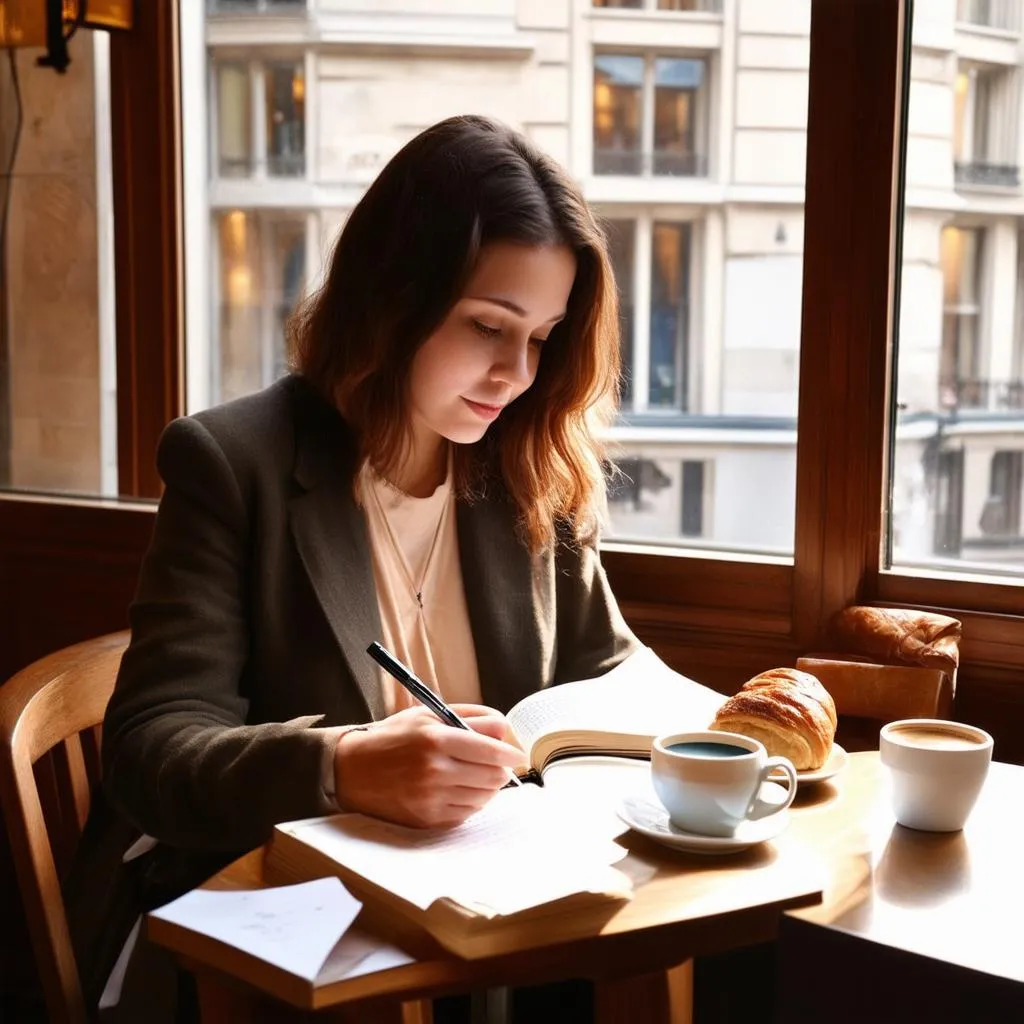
[(262, 259), (285, 112), (709, 278), (618, 82), (958, 441), (678, 95), (58, 399), (234, 120), (706, 437)]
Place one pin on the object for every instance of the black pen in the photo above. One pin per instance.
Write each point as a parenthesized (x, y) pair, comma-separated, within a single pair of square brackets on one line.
[(419, 690)]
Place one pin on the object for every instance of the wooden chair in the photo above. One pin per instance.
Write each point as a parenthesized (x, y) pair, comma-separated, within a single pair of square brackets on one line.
[(55, 705), (867, 695)]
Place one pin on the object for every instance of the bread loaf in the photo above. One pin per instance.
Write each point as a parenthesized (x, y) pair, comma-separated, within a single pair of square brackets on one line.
[(901, 635), (789, 711)]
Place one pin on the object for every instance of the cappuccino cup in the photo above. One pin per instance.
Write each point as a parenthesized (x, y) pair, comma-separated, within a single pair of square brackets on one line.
[(936, 768), (709, 781)]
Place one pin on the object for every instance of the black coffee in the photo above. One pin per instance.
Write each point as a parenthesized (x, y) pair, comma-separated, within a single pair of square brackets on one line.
[(703, 748)]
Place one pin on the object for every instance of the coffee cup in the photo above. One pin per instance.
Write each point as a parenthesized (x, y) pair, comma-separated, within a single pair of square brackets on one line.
[(709, 782), (937, 769)]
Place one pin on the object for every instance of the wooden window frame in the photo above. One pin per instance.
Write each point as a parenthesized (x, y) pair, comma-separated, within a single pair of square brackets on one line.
[(723, 614), (716, 618)]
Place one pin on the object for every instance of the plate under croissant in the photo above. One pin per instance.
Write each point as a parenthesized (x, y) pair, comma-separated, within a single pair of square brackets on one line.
[(833, 765)]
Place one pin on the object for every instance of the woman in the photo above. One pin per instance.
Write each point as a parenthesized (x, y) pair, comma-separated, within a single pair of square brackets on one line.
[(429, 477)]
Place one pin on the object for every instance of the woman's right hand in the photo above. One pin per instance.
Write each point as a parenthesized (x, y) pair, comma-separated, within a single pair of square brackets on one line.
[(413, 769)]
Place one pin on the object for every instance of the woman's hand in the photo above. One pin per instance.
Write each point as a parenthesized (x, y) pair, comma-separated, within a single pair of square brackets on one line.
[(413, 769)]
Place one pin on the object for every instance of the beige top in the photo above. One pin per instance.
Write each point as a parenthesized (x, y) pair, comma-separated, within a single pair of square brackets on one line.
[(414, 545), (425, 622)]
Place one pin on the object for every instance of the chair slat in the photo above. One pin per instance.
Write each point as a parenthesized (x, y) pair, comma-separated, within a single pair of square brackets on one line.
[(45, 778)]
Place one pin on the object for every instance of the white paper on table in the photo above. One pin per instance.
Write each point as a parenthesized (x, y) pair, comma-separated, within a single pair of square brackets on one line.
[(525, 848), (358, 953), (293, 927)]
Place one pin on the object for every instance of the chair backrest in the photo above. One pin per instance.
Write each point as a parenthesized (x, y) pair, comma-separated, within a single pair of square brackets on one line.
[(46, 708), (867, 694)]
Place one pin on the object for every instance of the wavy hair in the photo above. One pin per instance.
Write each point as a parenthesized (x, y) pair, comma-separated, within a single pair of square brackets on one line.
[(402, 261)]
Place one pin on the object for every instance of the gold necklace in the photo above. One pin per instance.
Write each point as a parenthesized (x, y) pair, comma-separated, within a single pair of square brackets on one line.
[(416, 591)]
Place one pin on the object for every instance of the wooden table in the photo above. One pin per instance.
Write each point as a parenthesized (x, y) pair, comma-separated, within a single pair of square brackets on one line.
[(929, 923), (841, 841)]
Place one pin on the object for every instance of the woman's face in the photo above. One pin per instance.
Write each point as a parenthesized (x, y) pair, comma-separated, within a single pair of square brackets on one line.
[(486, 352)]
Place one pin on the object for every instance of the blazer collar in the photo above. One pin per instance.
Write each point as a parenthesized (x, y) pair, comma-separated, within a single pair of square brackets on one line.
[(504, 595)]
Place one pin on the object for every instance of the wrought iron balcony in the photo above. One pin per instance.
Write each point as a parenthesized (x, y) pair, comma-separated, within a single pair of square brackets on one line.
[(991, 395), (987, 175), (703, 6), (255, 6), (659, 162)]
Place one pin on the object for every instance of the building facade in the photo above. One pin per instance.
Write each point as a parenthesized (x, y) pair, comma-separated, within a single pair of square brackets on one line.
[(685, 123)]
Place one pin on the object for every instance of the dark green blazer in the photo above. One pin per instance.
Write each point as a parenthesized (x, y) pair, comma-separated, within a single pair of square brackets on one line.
[(255, 606)]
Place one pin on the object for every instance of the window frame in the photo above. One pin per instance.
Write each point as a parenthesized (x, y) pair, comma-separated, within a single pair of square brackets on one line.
[(717, 618)]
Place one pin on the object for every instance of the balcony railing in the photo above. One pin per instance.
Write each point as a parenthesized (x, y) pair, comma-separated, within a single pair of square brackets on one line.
[(703, 6), (660, 162), (987, 175), (255, 6), (1004, 14), (991, 395)]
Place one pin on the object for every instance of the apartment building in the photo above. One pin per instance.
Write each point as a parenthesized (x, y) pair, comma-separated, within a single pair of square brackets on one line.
[(684, 120)]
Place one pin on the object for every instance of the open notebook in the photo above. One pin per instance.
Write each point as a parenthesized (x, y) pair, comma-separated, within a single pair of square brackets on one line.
[(617, 714), (534, 853)]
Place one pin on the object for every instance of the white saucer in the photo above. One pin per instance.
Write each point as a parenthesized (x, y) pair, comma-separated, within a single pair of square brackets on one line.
[(833, 765), (644, 814)]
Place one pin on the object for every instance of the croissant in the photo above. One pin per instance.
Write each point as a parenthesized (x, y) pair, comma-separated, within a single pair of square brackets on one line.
[(900, 635), (789, 711)]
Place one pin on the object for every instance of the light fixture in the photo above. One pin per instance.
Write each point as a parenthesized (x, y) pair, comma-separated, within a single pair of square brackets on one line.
[(51, 23)]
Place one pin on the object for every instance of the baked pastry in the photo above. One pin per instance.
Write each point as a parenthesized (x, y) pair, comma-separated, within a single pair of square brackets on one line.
[(900, 635), (789, 711)]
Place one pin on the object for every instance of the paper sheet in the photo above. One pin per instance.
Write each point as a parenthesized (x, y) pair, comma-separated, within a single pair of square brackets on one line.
[(525, 848), (294, 927)]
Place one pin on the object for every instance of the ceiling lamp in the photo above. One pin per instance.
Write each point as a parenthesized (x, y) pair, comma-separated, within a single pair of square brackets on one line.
[(51, 23)]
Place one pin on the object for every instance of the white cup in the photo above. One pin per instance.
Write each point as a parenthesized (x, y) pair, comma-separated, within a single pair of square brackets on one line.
[(709, 781), (937, 769)]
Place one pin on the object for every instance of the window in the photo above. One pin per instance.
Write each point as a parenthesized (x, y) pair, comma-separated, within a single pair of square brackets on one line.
[(655, 350), (985, 103), (261, 119), (284, 111), (693, 499), (262, 276), (707, 6), (650, 115), (254, 6), (1000, 14), (960, 252), (58, 387), (234, 121), (959, 426)]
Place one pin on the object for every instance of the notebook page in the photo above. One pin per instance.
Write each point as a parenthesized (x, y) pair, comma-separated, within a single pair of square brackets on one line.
[(641, 696), (523, 849)]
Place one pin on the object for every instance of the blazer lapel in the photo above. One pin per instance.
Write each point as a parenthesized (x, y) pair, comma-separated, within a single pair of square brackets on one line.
[(505, 603), (330, 534)]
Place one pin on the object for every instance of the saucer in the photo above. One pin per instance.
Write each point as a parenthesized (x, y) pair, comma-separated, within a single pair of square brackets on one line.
[(833, 765), (644, 814)]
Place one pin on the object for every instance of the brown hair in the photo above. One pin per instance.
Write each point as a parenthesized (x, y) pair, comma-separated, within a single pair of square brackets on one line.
[(402, 261)]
